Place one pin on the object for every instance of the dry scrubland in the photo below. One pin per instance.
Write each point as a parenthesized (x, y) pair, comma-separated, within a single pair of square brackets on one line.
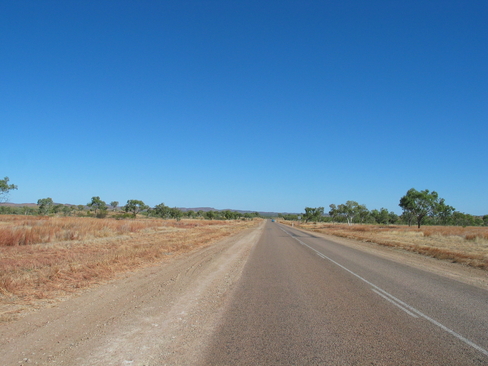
[(46, 258), (467, 245)]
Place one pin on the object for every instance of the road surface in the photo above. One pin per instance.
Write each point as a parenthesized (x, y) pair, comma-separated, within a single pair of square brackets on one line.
[(271, 295), (303, 300)]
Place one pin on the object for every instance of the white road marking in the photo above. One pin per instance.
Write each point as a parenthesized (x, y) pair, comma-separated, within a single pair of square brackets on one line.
[(394, 300), (394, 303)]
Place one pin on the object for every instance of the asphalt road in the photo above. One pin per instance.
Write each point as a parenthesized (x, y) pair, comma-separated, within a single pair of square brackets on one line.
[(304, 300)]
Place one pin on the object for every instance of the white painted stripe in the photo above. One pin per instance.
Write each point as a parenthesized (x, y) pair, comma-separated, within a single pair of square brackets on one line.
[(394, 303), (435, 322)]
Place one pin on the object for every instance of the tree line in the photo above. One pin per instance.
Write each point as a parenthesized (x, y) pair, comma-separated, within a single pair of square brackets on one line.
[(99, 208), (419, 207)]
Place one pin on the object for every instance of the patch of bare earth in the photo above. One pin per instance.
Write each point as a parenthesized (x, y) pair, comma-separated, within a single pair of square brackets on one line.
[(161, 315)]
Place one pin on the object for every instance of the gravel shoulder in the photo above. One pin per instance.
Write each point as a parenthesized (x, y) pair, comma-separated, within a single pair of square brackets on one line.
[(161, 315)]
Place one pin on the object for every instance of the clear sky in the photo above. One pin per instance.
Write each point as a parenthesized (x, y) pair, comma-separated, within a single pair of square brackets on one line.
[(252, 105)]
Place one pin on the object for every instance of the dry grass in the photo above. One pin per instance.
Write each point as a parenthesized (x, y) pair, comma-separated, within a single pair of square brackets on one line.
[(24, 230), (467, 245), (42, 259)]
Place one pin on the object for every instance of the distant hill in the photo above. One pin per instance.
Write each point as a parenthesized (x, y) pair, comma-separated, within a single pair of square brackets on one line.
[(205, 209), (10, 204)]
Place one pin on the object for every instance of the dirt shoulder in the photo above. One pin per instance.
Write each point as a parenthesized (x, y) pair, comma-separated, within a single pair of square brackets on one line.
[(161, 315), (34, 276)]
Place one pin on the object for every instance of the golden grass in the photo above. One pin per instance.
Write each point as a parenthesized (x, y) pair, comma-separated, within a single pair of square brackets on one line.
[(24, 230), (46, 258), (467, 245)]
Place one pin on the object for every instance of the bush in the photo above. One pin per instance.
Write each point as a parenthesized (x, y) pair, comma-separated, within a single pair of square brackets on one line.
[(122, 216)]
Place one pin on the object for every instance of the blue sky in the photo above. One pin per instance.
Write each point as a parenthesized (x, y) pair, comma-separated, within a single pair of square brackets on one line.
[(254, 105)]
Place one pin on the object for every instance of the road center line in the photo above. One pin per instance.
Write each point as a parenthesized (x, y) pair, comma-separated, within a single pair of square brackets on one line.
[(394, 299)]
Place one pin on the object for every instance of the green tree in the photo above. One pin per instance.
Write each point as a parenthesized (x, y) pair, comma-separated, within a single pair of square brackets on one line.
[(478, 221), (443, 212), (98, 206), (313, 214), (334, 212), (407, 217), (26, 210), (45, 205), (248, 216), (175, 213), (5, 210), (209, 215), (67, 210), (114, 205), (422, 204), (392, 218), (162, 211), (381, 217), (362, 213), (290, 217), (5, 188), (135, 206), (463, 219), (230, 215), (349, 211), (57, 208)]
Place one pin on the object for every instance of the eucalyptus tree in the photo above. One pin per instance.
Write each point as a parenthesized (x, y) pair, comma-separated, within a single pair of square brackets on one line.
[(114, 205), (135, 206), (392, 218), (45, 205), (424, 204), (5, 188), (443, 212), (98, 206), (313, 214), (162, 211), (175, 213), (349, 211), (381, 216), (209, 215)]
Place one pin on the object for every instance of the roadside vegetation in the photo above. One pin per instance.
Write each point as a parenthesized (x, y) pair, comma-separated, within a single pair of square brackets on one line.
[(97, 208), (45, 258), (420, 208)]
